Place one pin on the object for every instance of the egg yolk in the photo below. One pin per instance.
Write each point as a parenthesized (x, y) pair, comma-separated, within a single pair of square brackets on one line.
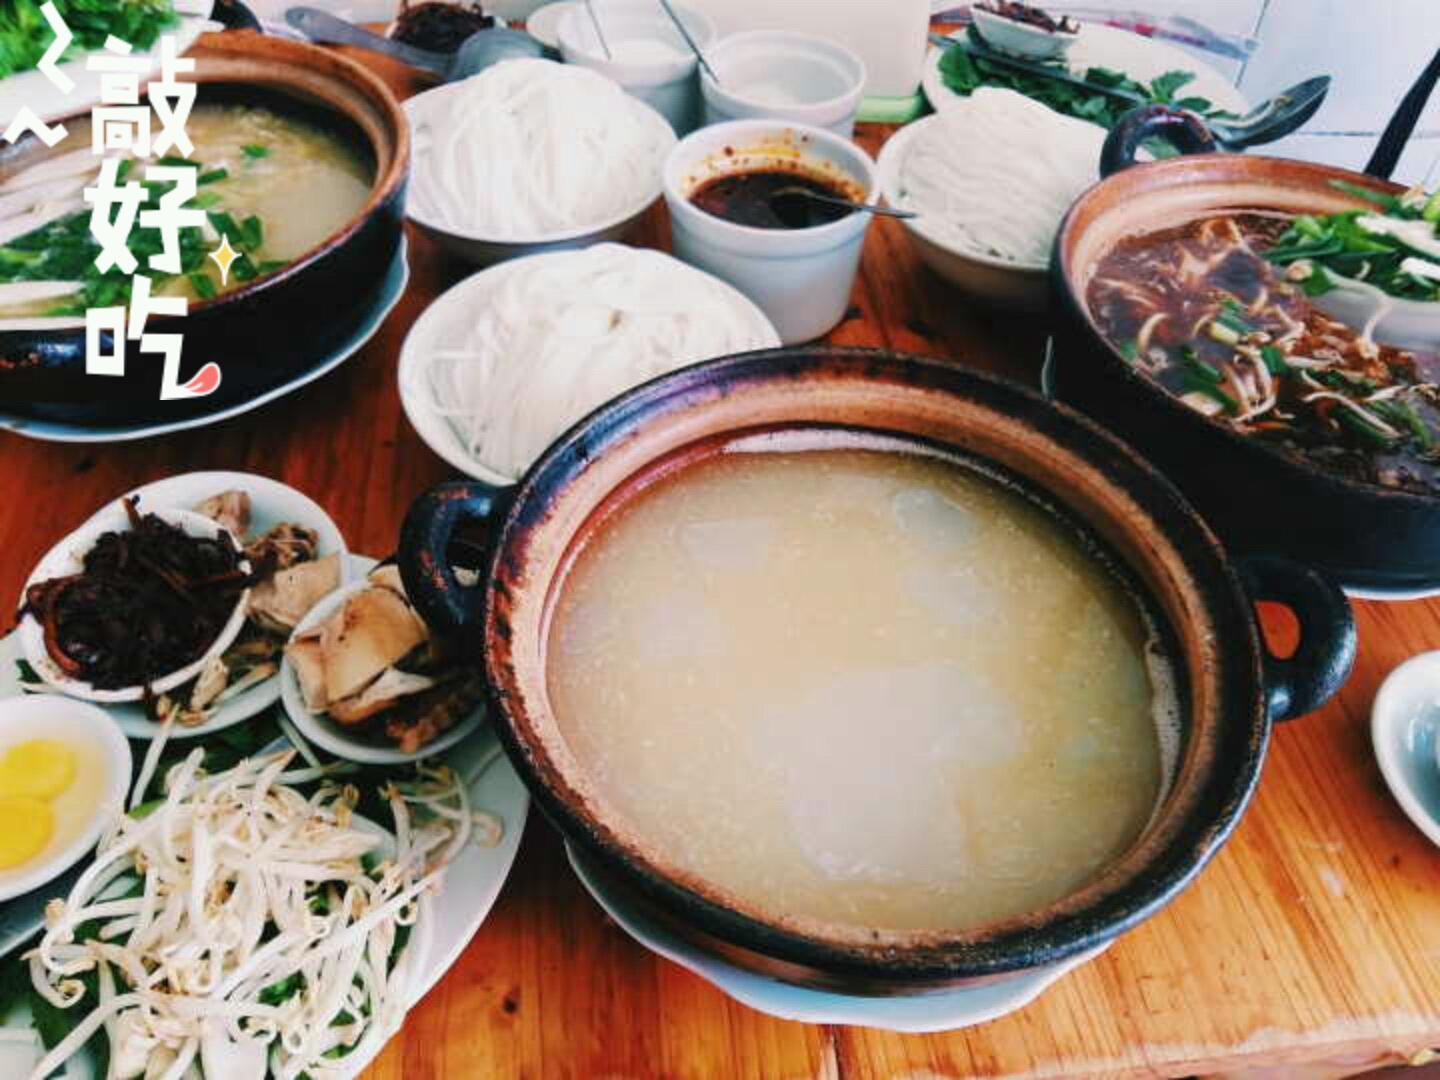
[(38, 769), (26, 826)]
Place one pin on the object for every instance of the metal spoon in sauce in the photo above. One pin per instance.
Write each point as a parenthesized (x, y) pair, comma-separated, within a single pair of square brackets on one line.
[(792, 204), (479, 51)]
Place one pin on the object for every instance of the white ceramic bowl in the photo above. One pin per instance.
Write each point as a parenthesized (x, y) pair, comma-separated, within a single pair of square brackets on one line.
[(271, 503), (449, 320), (336, 738), (482, 250), (543, 24), (1005, 283), (648, 55), (800, 278), (66, 558), (79, 822), (1017, 38), (1405, 731), (782, 75)]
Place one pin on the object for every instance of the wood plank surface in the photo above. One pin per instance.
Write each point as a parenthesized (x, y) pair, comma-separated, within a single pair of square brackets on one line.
[(1313, 937)]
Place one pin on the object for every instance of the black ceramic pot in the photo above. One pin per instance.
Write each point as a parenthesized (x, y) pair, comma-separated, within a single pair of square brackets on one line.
[(271, 330), (1230, 690), (1257, 498)]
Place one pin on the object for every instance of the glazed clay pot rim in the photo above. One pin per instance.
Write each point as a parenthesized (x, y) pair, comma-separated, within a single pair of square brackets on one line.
[(1217, 795), (236, 45), (1218, 170)]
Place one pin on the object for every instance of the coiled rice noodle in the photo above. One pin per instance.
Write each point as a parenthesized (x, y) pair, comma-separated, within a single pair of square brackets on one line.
[(529, 149), (994, 174), (558, 334)]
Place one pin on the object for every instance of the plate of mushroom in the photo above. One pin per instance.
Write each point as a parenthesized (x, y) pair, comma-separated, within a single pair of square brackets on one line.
[(296, 555)]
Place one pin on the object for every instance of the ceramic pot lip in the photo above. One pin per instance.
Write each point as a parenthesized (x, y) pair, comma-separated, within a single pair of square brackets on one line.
[(1217, 795), (392, 157), (1221, 171)]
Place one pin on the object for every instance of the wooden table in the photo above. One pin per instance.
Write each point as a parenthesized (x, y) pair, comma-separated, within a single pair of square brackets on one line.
[(1313, 937)]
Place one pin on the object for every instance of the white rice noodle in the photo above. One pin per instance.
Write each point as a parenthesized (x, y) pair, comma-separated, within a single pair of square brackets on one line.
[(995, 173), (529, 149), (562, 333)]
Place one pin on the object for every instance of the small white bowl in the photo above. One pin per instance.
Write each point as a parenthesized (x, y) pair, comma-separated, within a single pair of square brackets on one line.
[(271, 503), (1019, 39), (449, 320), (649, 57), (336, 738), (782, 75), (800, 278), (543, 24), (483, 250), (66, 558), (1006, 283), (77, 724), (1405, 731)]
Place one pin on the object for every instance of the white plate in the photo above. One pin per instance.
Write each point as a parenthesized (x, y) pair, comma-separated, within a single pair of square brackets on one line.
[(386, 297), (271, 503), (67, 558), (944, 1010), (1141, 58), (333, 737), (1405, 731), (34, 90), (456, 912)]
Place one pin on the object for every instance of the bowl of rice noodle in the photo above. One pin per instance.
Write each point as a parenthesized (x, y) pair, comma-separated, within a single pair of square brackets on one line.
[(513, 356), (531, 156), (991, 178)]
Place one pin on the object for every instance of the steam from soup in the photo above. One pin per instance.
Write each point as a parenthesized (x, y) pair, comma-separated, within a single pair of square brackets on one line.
[(859, 687)]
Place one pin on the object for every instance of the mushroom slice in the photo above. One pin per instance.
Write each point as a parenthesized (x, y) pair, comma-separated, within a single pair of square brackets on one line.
[(283, 546), (374, 629), (305, 657), (390, 687), (283, 599), (230, 510)]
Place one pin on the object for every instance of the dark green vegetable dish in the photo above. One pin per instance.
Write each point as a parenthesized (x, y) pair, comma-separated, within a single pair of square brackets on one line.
[(1218, 313), (274, 185), (965, 74)]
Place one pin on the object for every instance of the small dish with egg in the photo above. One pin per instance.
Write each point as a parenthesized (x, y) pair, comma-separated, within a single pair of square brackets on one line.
[(64, 769)]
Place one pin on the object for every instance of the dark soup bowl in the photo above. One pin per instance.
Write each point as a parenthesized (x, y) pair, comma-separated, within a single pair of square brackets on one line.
[(1228, 691), (285, 318), (1258, 493)]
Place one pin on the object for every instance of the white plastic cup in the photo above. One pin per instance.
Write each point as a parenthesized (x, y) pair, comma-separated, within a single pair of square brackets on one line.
[(649, 57), (783, 75), (800, 278)]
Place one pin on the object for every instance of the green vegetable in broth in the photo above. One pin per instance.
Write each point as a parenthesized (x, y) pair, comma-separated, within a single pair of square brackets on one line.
[(25, 35), (1394, 247)]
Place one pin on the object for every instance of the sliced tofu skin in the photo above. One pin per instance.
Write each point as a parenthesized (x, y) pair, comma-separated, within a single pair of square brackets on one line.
[(380, 695), (283, 599), (372, 630), (305, 658)]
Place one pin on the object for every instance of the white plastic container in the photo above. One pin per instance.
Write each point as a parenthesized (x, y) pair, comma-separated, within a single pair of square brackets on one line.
[(888, 35), (800, 278), (649, 57), (783, 75)]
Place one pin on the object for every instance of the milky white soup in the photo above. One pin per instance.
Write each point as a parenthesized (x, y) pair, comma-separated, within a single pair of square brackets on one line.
[(859, 686)]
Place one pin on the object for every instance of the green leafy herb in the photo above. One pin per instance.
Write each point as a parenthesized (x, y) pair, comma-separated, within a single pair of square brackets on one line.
[(213, 176), (201, 283), (255, 151), (965, 74), (25, 35)]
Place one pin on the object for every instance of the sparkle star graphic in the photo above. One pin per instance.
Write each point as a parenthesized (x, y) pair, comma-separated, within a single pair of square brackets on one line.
[(224, 255)]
